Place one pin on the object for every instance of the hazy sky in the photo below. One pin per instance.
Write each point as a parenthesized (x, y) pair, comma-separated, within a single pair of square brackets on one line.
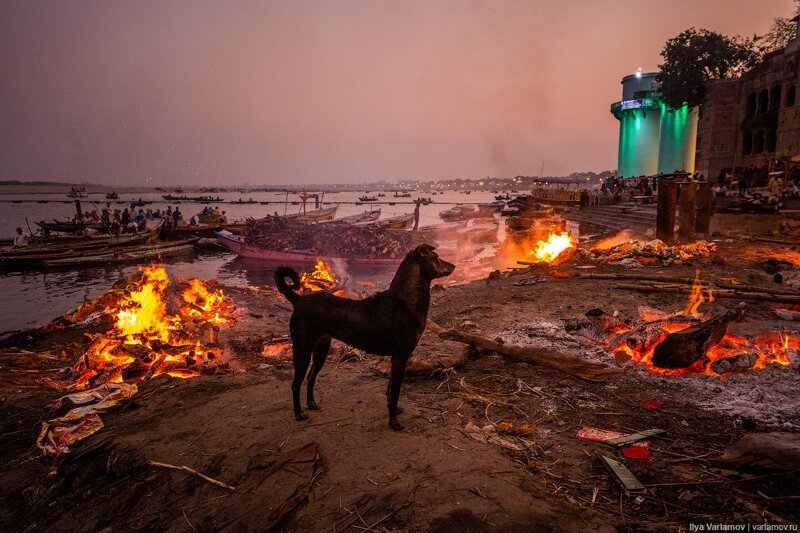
[(294, 91)]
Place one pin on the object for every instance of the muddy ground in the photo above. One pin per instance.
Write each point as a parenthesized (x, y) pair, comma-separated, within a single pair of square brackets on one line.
[(344, 469)]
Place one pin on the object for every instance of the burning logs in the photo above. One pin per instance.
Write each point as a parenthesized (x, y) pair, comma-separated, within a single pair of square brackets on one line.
[(276, 233), (683, 348)]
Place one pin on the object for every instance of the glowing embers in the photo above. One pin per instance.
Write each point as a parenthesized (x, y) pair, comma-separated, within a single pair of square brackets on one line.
[(322, 278), (161, 328), (729, 354), (550, 249)]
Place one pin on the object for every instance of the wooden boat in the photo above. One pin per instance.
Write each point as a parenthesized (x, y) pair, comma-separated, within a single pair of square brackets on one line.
[(368, 198), (112, 195), (182, 232), (68, 227), (317, 215), (368, 216), (235, 228), (126, 255), (404, 221), (239, 245), (77, 192), (212, 219), (398, 194), (199, 199), (492, 207), (459, 212), (441, 231), (30, 261), (82, 244), (505, 196), (486, 232)]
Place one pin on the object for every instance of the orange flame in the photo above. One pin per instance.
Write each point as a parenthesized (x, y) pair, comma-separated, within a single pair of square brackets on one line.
[(321, 278), (696, 298), (775, 348), (149, 338), (549, 249)]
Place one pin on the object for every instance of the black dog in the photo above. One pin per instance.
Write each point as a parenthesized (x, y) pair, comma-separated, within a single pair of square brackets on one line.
[(387, 323)]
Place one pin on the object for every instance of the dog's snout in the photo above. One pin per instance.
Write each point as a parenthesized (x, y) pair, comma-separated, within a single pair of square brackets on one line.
[(445, 268)]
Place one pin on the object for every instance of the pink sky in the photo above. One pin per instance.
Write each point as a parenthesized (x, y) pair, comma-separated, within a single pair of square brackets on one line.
[(330, 91)]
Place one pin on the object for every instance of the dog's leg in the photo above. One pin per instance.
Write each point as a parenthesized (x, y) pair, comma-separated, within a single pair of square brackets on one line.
[(395, 382), (301, 357), (321, 350), (388, 388)]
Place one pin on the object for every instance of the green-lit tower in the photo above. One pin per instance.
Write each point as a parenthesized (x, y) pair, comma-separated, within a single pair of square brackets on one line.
[(653, 138)]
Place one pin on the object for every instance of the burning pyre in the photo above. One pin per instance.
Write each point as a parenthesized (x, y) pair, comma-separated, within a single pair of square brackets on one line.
[(550, 249), (160, 327), (724, 353), (322, 278)]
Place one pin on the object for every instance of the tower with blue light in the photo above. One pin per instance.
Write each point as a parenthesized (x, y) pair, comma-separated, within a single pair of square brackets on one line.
[(653, 137)]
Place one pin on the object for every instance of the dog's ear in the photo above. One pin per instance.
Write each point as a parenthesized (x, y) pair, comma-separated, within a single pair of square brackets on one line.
[(424, 250)]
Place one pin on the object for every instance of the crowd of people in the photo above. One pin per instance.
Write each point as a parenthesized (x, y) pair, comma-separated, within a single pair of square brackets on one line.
[(131, 220)]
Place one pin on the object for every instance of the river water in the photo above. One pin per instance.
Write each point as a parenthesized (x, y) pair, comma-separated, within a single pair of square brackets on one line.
[(33, 298)]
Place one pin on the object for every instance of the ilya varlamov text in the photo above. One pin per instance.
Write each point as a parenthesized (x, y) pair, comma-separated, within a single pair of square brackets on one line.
[(742, 527)]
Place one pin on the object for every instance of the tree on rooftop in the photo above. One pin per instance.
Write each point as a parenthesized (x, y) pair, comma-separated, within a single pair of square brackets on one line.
[(697, 56)]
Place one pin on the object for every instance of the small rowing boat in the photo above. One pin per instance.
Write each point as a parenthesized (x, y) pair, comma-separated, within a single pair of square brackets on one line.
[(368, 216), (120, 256)]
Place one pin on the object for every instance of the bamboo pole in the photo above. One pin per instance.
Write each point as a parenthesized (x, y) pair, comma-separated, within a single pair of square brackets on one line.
[(722, 293)]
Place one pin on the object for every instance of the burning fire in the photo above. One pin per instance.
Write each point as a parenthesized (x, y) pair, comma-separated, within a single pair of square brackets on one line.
[(548, 250), (159, 329), (696, 298), (775, 348), (321, 278)]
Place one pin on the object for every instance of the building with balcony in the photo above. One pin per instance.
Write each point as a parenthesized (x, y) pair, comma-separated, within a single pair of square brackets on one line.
[(752, 121)]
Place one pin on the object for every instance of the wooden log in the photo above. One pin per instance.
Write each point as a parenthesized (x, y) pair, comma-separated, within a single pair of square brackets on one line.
[(538, 356), (735, 294), (638, 277), (705, 207), (687, 213), (683, 348), (665, 215), (782, 291)]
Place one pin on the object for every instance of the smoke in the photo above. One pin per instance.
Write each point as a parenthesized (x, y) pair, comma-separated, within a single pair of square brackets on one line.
[(609, 242)]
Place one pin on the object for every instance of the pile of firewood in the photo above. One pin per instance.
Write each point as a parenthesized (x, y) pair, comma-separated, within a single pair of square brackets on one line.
[(279, 234)]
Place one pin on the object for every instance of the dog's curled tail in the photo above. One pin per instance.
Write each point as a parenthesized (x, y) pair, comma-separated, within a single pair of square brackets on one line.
[(281, 273)]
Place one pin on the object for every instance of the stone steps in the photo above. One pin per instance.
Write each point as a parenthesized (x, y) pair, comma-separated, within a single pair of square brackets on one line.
[(619, 216)]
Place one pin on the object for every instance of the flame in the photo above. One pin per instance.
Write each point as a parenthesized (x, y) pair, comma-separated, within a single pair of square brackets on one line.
[(150, 337), (696, 298), (773, 348), (549, 249), (321, 278)]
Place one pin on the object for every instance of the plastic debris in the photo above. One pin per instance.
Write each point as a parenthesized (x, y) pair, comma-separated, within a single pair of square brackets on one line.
[(58, 434), (623, 477), (651, 404)]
